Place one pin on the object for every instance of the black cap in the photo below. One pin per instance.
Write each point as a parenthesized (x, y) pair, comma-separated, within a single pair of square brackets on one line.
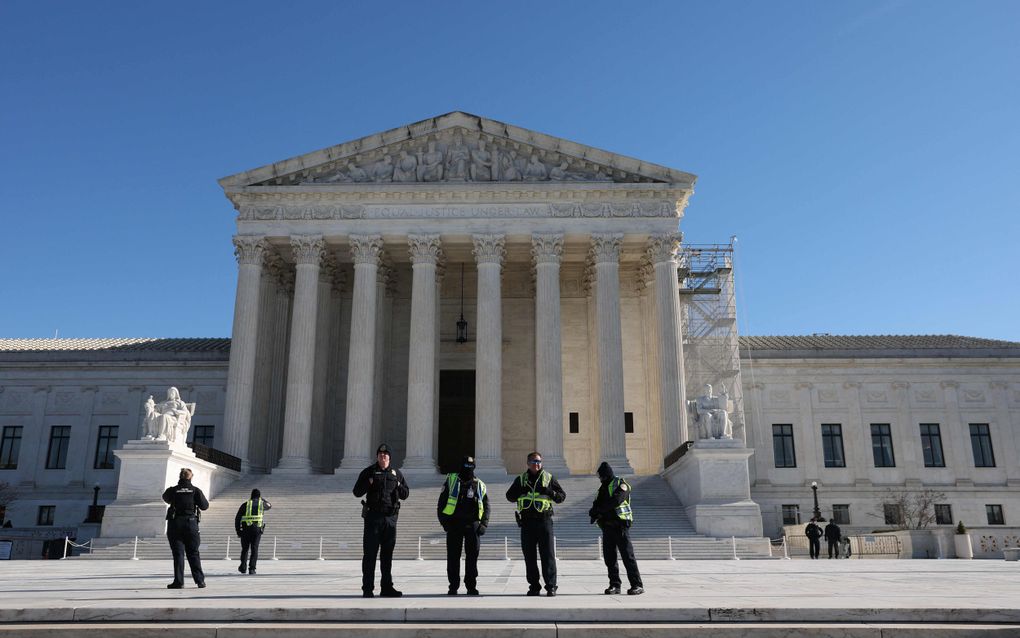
[(468, 463), (605, 471), (383, 449), (255, 493)]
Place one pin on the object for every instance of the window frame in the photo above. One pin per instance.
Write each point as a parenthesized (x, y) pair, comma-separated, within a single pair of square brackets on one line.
[(193, 434), (10, 446), (883, 438), (46, 521), (784, 436), (829, 439), (839, 519), (573, 422), (943, 507), (897, 508), (63, 446), (985, 438), (110, 443), (933, 440), (995, 514), (795, 508)]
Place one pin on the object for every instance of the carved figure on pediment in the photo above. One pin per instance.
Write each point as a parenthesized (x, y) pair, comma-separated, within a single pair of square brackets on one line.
[(711, 414), (457, 158), (508, 167), (169, 420), (430, 164), (536, 171), (562, 173), (356, 174), (406, 169), (382, 170), (332, 178), (601, 177), (481, 163)]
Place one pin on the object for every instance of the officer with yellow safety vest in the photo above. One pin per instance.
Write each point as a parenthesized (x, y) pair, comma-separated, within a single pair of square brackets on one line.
[(463, 511), (249, 523), (611, 510), (535, 491)]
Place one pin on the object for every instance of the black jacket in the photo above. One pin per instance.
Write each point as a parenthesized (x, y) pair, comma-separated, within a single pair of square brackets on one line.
[(185, 501), (603, 508), (553, 491), (386, 490), (832, 532), (238, 527), (467, 508), (812, 531)]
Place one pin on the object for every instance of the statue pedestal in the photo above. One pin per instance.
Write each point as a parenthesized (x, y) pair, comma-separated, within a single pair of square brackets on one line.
[(714, 485), (147, 468)]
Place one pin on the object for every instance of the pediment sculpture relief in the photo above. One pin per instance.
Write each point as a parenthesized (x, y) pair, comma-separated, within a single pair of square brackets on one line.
[(461, 156)]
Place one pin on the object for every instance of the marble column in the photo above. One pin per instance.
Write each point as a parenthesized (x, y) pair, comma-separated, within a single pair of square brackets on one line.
[(426, 251), (489, 252), (366, 251), (241, 371), (662, 254), (546, 252), (320, 387), (605, 255), (297, 417)]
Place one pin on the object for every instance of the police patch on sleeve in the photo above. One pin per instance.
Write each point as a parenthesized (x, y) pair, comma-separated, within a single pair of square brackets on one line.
[(624, 487)]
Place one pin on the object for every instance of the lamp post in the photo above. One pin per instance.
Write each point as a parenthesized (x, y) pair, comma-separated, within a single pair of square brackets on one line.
[(95, 514), (814, 490), (95, 495)]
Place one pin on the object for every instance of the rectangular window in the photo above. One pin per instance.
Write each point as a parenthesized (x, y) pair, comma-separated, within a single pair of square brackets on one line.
[(105, 445), (45, 516), (60, 438), (10, 445), (981, 443), (832, 445), (893, 513), (841, 514), (782, 445), (628, 422), (943, 514), (575, 423), (931, 445), (203, 435), (791, 515), (881, 445), (994, 513)]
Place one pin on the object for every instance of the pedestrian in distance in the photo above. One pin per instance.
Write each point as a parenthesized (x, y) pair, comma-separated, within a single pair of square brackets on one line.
[(612, 511), (463, 511), (814, 534), (844, 547), (249, 523), (186, 503), (832, 535), (383, 487), (535, 491)]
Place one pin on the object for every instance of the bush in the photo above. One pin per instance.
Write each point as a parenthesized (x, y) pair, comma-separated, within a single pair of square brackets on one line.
[(960, 529)]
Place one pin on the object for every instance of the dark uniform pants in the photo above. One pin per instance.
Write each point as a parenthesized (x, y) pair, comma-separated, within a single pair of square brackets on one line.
[(617, 537), (833, 549), (379, 540), (537, 533), (184, 541), (815, 547), (462, 534), (250, 538)]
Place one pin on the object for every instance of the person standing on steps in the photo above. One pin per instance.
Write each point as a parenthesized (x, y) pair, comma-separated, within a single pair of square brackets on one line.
[(813, 533), (383, 488), (186, 503), (832, 534), (611, 510), (249, 523), (463, 511), (535, 491)]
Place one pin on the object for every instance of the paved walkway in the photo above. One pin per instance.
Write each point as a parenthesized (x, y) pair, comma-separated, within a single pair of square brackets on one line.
[(926, 591)]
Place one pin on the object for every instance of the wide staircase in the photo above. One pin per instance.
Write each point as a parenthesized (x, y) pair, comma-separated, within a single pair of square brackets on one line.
[(317, 516)]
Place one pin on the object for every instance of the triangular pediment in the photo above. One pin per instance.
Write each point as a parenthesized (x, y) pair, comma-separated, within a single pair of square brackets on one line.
[(457, 148)]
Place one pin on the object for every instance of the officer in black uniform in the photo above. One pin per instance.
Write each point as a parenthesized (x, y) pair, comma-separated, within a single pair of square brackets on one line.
[(186, 501), (249, 523), (535, 491), (385, 487), (463, 511), (611, 510)]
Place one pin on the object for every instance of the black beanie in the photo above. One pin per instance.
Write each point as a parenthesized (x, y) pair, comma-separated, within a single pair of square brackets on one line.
[(605, 471), (255, 493)]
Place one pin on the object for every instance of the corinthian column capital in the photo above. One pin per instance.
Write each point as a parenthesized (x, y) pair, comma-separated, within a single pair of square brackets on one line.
[(366, 249), (307, 248), (424, 249), (249, 249), (547, 248), (605, 247), (663, 248), (489, 249)]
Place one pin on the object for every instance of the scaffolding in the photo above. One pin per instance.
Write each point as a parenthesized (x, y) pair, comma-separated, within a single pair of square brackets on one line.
[(709, 326)]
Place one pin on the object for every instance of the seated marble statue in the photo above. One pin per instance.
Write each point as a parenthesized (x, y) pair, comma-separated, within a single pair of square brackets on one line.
[(536, 170), (406, 169), (457, 158), (355, 173), (481, 163), (710, 414), (507, 167), (169, 420), (382, 170), (430, 164)]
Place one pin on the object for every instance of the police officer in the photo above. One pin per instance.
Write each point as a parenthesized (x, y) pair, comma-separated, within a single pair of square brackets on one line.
[(813, 533), (385, 487), (611, 510), (463, 511), (186, 501), (249, 523), (535, 491)]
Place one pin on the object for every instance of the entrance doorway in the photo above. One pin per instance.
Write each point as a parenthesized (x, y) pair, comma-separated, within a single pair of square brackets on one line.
[(456, 418)]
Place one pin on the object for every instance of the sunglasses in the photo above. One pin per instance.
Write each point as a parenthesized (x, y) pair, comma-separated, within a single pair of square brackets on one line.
[(535, 462)]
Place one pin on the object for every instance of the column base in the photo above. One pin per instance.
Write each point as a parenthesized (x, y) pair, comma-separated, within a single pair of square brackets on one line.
[(420, 468), (352, 466), (620, 464), (490, 470), (557, 466), (293, 465)]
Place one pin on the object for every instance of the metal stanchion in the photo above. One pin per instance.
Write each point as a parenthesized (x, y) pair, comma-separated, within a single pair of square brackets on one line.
[(227, 556), (734, 540), (670, 547), (554, 549), (274, 549), (786, 553), (320, 549), (66, 541), (599, 555), (419, 549), (134, 554), (506, 548)]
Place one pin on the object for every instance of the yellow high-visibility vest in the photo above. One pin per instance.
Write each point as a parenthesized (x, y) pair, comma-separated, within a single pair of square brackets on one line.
[(453, 495), (532, 499)]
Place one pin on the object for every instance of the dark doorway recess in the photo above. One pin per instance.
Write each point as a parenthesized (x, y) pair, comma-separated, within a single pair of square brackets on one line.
[(456, 417)]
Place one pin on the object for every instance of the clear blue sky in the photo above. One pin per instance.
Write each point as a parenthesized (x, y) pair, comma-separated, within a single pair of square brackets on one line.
[(867, 154)]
